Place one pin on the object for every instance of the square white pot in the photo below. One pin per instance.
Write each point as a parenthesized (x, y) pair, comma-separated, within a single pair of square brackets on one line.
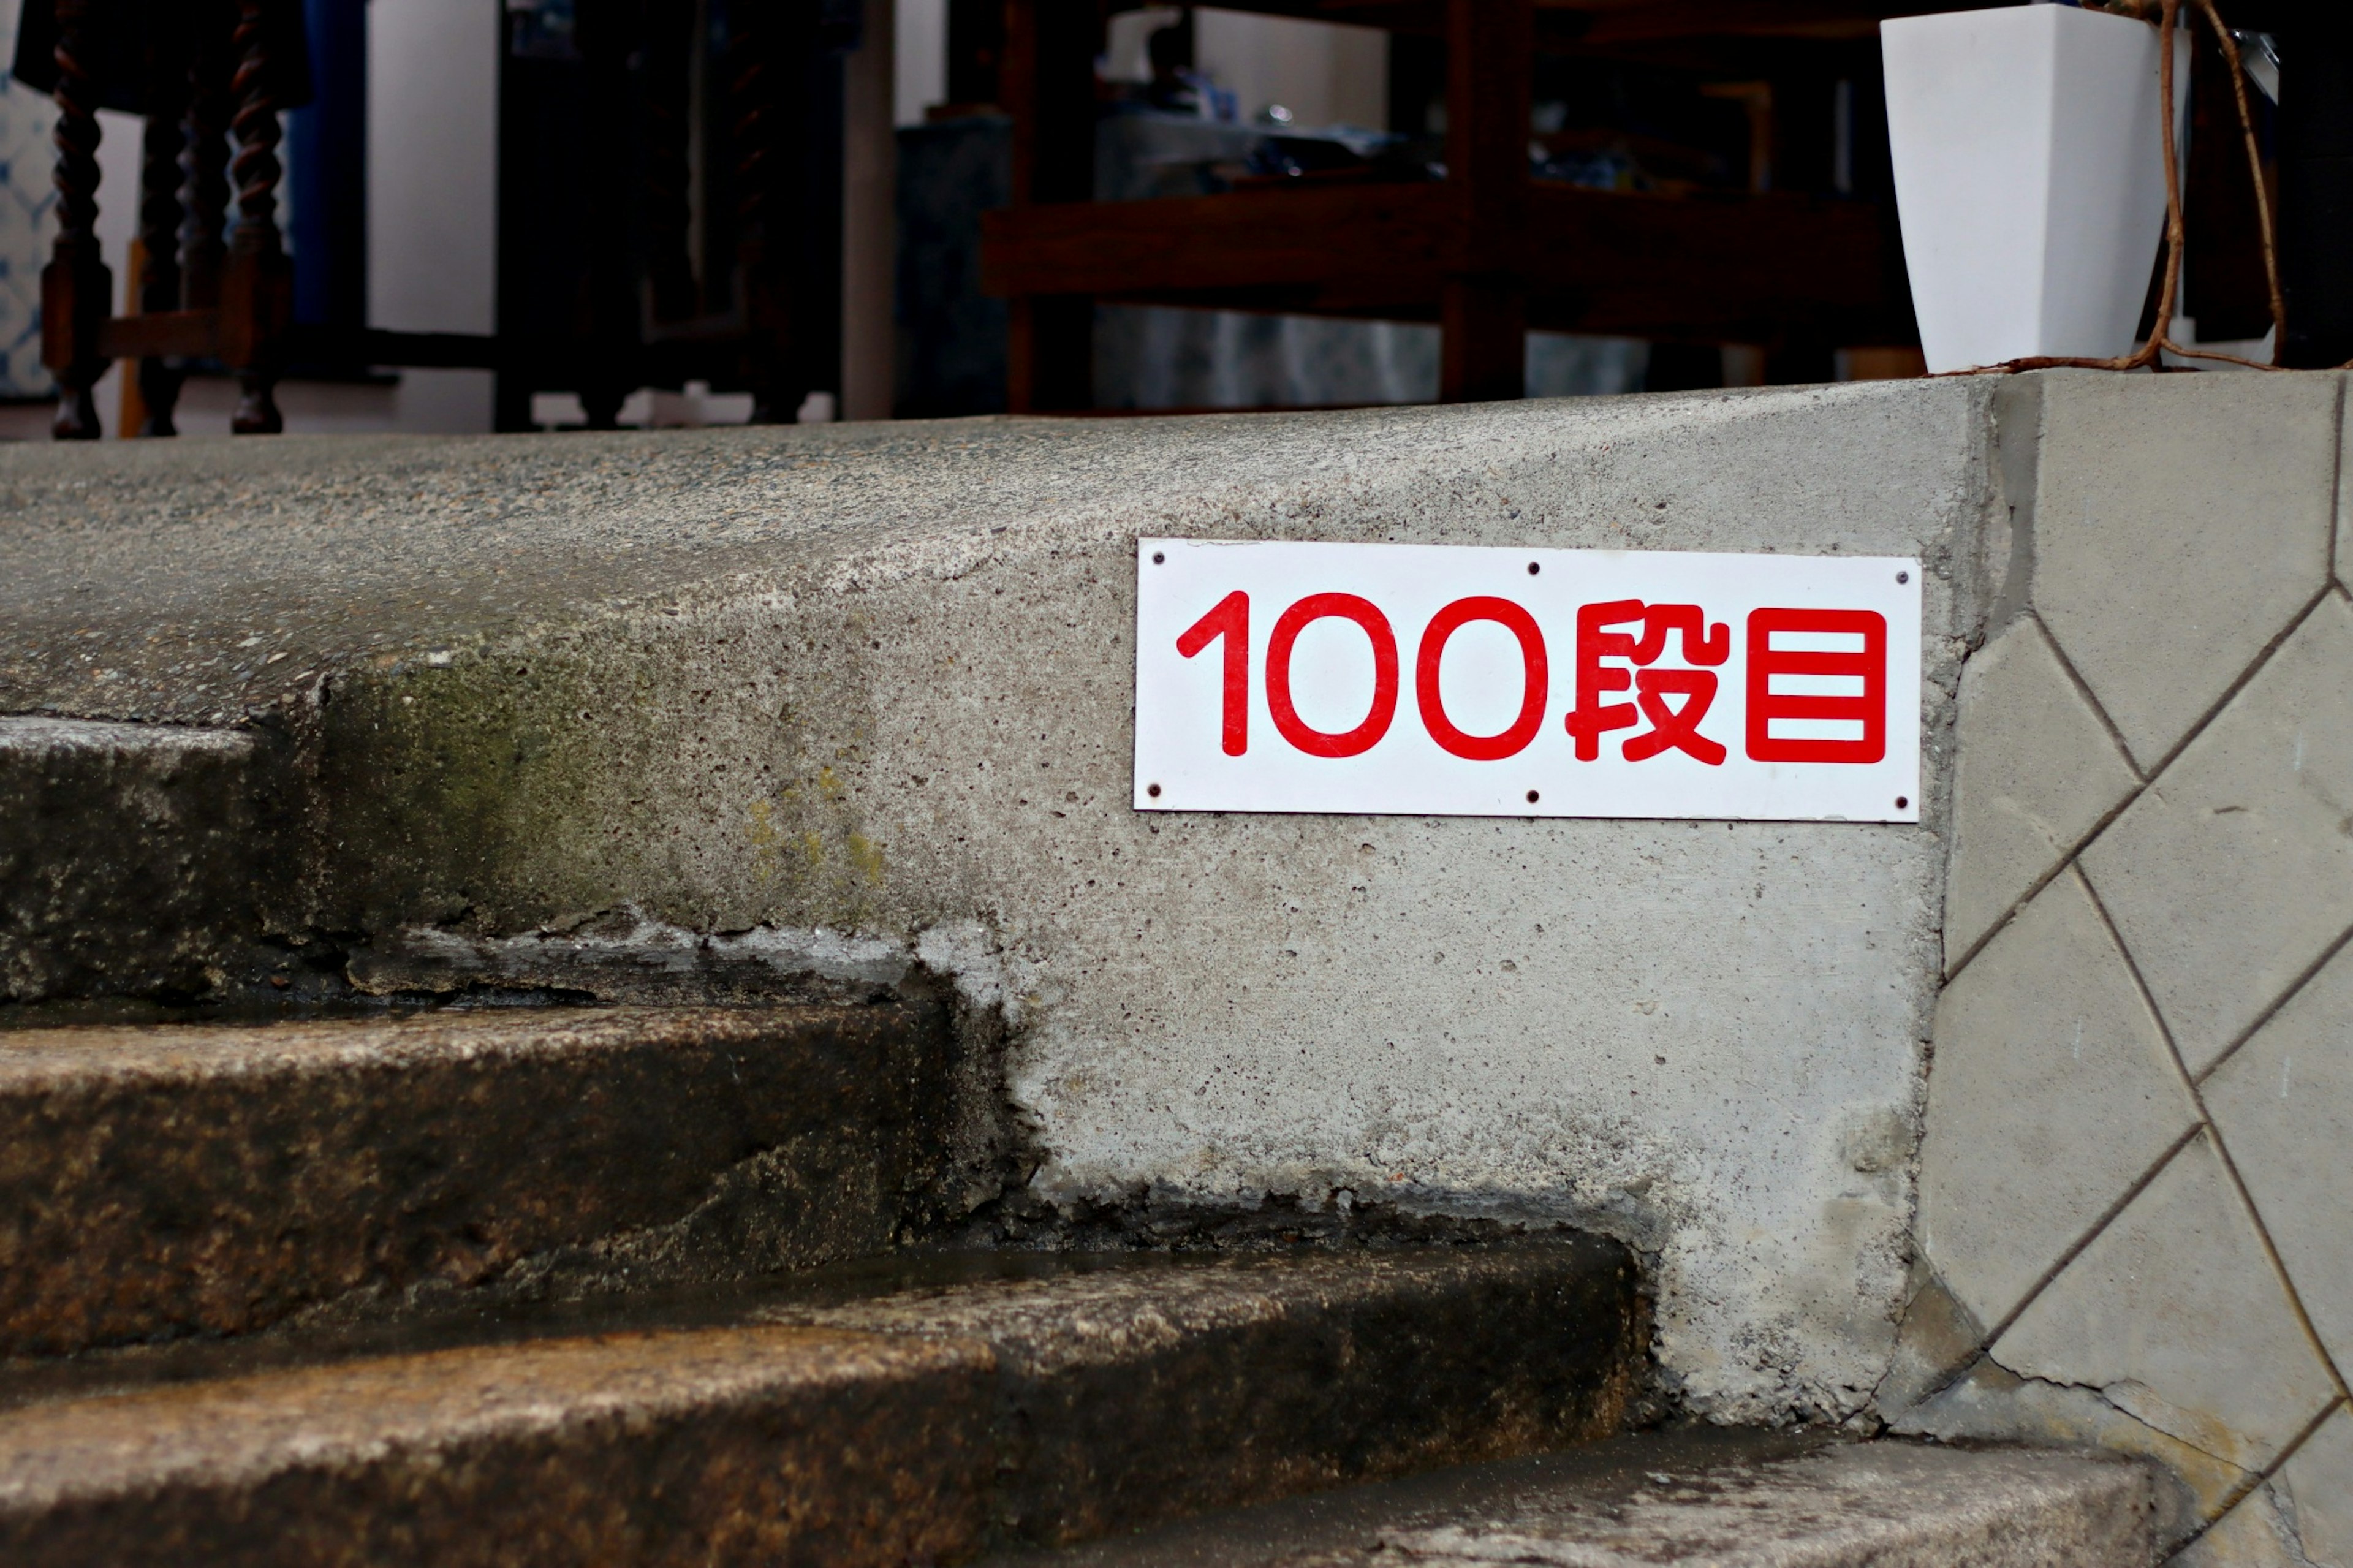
[(2029, 178)]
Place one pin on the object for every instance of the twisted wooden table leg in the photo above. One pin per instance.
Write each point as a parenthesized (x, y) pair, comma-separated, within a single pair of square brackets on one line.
[(204, 168), (258, 295), (76, 285), (608, 34), (160, 218), (767, 50)]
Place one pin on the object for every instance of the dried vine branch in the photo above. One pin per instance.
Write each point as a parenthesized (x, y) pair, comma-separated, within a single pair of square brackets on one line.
[(2160, 339), (2266, 227)]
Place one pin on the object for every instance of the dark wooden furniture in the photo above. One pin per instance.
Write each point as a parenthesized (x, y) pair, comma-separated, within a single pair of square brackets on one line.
[(1487, 253), (631, 305), (202, 74), (671, 207)]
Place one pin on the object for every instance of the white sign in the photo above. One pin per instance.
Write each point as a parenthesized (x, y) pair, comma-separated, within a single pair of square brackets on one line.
[(1455, 681)]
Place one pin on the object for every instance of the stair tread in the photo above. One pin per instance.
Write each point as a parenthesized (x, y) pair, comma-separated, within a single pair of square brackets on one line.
[(1086, 1312), (33, 1057), (1050, 1407), (241, 1429), (166, 1179), (1700, 1498)]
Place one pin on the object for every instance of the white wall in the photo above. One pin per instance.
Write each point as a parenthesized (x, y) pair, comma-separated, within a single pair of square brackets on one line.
[(920, 43), (1324, 74), (433, 95)]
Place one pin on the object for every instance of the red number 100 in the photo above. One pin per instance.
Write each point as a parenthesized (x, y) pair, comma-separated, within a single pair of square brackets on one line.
[(1230, 620)]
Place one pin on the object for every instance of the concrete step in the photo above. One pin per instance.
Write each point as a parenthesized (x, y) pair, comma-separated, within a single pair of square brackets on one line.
[(1033, 1401), (1704, 1497), (128, 856), (168, 1181)]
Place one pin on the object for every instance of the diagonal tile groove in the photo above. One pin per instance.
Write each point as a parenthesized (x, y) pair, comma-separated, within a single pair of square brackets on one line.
[(2263, 1234), (2147, 779), (1983, 1350), (2284, 1400), (2090, 1234), (2287, 994), (2230, 1166), (2067, 858), (2336, 564), (2091, 698), (2254, 1479), (2254, 667)]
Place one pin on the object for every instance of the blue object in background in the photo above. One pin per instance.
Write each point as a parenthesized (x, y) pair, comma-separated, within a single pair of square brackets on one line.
[(951, 336), (326, 195)]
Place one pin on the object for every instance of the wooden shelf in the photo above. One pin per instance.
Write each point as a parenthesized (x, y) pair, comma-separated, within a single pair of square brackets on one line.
[(1488, 252), (1604, 24), (1735, 269)]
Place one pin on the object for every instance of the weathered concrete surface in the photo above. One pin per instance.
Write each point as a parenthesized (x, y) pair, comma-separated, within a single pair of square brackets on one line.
[(2129, 1218), (2053, 1093), (1155, 1393), (2233, 875), (1992, 1404), (170, 1181), (917, 1427), (2215, 1356), (1698, 1500), (127, 859), (2285, 1103), (2178, 528), (2319, 1481), (872, 684), (2037, 771), (747, 1445)]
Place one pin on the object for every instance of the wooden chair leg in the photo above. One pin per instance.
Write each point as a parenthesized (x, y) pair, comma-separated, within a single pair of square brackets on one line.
[(1047, 83), (608, 34), (1049, 353), (257, 292), (1482, 341), (204, 168), (76, 286), (670, 45), (159, 238), (1483, 354), (765, 67)]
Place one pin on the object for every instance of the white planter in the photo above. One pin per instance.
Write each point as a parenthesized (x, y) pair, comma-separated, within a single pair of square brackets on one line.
[(2029, 178)]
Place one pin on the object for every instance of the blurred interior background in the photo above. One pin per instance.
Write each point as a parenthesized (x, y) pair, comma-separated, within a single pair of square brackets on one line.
[(567, 183)]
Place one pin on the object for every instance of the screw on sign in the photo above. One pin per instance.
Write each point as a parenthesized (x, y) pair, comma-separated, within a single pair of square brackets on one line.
[(1696, 685)]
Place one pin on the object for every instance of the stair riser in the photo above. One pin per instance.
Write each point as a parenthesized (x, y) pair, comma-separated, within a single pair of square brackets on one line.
[(128, 855), (1022, 1422), (1408, 1379), (226, 1187)]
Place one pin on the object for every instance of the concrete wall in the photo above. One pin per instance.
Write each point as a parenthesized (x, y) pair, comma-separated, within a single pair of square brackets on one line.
[(918, 50), (865, 697), (848, 701), (2135, 1191)]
